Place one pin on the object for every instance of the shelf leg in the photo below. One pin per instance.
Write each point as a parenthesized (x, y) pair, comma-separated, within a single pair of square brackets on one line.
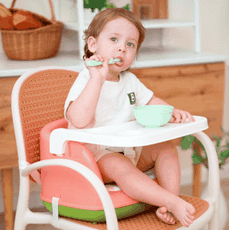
[(197, 36)]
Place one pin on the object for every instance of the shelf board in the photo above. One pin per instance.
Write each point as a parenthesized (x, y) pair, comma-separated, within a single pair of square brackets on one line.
[(166, 23), (148, 57), (148, 24), (170, 56), (16, 68)]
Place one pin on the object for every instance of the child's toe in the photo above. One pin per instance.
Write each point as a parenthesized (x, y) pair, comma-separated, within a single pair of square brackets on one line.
[(190, 216), (191, 209), (187, 224)]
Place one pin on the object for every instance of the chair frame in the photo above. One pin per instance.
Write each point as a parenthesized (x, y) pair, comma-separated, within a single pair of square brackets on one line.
[(25, 216)]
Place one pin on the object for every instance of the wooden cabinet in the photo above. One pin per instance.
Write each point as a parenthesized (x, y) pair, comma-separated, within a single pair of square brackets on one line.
[(198, 89), (8, 152), (149, 9)]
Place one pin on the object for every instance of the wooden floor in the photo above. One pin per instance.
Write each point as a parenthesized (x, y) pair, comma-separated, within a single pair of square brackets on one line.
[(187, 190)]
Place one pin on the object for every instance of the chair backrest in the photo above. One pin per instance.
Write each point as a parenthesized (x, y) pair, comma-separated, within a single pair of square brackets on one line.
[(39, 97)]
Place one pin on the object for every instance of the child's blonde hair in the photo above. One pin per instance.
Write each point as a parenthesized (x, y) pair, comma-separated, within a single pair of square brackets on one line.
[(105, 16)]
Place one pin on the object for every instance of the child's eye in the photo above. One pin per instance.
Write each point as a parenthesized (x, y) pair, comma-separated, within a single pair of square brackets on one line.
[(130, 44), (114, 39)]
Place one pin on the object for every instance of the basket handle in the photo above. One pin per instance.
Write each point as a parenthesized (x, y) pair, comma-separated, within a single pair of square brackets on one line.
[(51, 7)]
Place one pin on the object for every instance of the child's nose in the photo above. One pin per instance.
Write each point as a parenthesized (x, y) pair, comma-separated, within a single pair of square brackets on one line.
[(122, 49)]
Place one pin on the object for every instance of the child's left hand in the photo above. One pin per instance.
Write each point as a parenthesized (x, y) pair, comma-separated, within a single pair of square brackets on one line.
[(180, 116)]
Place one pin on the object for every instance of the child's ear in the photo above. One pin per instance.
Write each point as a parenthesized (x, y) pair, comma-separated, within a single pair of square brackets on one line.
[(91, 43)]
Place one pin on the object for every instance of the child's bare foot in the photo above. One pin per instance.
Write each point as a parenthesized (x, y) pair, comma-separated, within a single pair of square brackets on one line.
[(183, 210), (163, 214)]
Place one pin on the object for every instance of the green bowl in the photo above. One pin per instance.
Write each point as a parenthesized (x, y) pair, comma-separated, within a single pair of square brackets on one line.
[(153, 116)]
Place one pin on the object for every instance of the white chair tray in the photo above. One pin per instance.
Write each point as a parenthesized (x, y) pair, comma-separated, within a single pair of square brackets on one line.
[(128, 134)]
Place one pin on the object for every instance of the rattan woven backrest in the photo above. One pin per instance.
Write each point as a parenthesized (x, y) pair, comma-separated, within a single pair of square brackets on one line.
[(41, 100)]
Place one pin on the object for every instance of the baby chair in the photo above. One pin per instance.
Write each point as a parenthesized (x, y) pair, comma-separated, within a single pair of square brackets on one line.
[(72, 187)]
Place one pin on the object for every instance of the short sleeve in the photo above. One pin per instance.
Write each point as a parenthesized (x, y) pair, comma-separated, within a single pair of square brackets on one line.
[(143, 94), (77, 88)]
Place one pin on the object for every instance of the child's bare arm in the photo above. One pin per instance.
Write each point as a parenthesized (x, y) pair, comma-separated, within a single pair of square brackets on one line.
[(81, 111), (156, 101), (178, 115)]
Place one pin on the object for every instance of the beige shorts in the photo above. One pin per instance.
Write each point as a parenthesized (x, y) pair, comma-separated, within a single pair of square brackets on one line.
[(133, 153)]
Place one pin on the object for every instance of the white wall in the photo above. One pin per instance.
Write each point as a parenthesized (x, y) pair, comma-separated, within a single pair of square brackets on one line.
[(214, 24), (214, 38)]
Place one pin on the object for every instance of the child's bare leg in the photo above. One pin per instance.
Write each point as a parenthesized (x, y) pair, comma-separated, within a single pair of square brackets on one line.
[(118, 168), (165, 159)]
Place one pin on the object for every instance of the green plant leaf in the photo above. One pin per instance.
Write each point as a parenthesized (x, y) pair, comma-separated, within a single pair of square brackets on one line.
[(93, 4), (217, 138), (224, 154), (222, 161), (127, 7), (196, 159), (110, 5), (222, 151), (186, 142)]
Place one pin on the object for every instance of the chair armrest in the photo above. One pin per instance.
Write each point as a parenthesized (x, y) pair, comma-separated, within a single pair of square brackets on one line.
[(59, 137), (109, 210), (128, 134)]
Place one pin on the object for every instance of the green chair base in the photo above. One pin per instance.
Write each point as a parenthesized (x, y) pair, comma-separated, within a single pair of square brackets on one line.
[(98, 216)]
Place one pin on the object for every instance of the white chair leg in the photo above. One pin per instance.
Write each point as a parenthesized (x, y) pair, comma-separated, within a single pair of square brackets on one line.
[(23, 203), (213, 176)]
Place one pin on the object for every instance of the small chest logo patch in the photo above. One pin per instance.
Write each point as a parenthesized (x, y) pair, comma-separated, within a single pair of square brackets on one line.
[(132, 98)]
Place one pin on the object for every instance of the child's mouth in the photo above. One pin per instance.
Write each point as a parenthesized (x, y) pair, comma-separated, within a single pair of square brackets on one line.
[(119, 61)]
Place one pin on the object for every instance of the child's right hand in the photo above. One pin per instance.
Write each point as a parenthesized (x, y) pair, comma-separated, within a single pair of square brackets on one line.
[(100, 72)]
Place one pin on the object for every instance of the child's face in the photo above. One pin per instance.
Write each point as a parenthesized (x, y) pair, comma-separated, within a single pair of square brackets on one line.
[(118, 39)]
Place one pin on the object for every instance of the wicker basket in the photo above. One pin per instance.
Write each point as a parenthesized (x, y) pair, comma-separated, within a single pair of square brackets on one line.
[(33, 44)]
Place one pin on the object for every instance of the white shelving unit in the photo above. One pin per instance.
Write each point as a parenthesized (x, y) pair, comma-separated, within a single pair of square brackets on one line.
[(150, 57), (80, 25)]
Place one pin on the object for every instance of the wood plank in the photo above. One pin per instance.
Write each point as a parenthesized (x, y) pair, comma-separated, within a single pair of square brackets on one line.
[(6, 86), (5, 116), (196, 190), (159, 72), (198, 89), (163, 9), (192, 69), (216, 66), (158, 8), (184, 70), (179, 86), (7, 187), (8, 150)]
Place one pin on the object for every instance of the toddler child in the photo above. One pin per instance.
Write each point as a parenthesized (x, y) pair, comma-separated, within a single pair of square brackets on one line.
[(106, 95)]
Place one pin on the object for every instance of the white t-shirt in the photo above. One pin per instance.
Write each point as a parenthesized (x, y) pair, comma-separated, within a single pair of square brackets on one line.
[(117, 99)]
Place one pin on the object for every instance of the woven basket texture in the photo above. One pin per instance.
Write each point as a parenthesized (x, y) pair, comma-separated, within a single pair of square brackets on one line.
[(33, 44), (149, 221), (41, 100)]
